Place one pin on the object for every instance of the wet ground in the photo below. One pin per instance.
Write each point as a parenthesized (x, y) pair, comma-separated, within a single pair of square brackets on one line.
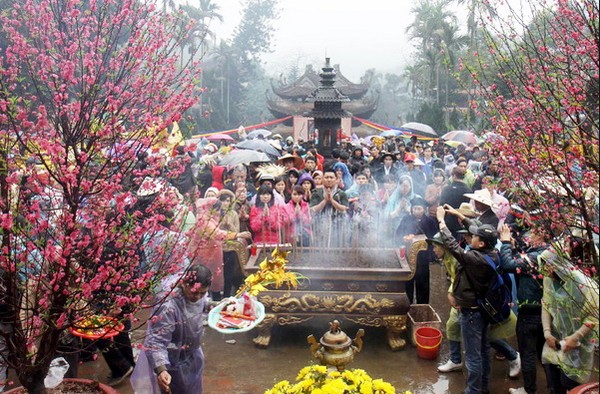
[(241, 368)]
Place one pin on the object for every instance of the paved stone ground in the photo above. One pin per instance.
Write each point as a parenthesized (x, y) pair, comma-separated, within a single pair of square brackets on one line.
[(241, 368)]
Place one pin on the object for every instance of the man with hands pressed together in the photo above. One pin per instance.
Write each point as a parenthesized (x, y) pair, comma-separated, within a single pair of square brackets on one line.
[(329, 199)]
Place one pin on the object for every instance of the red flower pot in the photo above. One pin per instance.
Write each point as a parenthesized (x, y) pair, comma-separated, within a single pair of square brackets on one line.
[(586, 388)]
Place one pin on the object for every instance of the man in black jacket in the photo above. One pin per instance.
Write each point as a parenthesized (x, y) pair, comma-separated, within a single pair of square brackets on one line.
[(387, 168), (453, 194), (473, 278), (414, 224)]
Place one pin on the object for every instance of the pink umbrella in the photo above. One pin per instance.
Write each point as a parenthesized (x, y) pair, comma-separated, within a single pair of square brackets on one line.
[(466, 137), (220, 137)]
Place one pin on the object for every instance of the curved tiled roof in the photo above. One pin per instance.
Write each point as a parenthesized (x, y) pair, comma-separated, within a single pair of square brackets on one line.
[(310, 80), (282, 108)]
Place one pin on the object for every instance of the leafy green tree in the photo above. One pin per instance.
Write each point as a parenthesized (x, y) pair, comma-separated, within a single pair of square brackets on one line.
[(233, 69), (203, 17), (254, 34), (432, 114), (432, 19)]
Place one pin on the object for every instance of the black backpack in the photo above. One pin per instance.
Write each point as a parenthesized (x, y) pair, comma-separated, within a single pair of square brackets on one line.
[(496, 303)]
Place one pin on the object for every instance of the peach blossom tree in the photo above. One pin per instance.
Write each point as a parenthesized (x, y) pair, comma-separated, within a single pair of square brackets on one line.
[(537, 74), (85, 87)]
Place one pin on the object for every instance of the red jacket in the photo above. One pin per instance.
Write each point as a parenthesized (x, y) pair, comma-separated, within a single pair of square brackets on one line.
[(217, 173), (269, 229)]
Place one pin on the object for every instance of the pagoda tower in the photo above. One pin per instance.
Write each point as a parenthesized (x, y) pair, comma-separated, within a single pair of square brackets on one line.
[(327, 111), (291, 98)]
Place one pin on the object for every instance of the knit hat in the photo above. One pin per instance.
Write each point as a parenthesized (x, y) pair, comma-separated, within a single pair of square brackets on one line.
[(306, 177), (418, 201), (226, 192)]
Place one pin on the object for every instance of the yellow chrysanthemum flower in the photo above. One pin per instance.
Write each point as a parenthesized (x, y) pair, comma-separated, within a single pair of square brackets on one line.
[(303, 373), (304, 385), (271, 271), (381, 387), (335, 387), (321, 369), (318, 379), (334, 375), (366, 388)]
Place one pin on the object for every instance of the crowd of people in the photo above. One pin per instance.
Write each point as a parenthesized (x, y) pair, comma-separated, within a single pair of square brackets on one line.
[(399, 189), (386, 192)]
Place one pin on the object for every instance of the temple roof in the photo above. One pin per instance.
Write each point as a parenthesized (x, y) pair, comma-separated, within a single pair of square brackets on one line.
[(309, 81), (282, 108)]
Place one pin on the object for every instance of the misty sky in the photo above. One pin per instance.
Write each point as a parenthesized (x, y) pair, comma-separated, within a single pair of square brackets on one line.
[(358, 35)]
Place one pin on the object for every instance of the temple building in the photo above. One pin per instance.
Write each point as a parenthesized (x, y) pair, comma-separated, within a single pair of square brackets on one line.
[(293, 98)]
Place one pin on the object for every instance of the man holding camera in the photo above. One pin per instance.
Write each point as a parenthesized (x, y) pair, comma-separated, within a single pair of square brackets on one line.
[(473, 277)]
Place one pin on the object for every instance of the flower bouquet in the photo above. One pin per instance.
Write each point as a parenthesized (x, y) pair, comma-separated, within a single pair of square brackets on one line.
[(243, 312), (317, 379)]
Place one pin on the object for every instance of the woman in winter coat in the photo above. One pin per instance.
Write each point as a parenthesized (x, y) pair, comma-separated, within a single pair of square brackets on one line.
[(298, 210), (267, 220), (308, 184), (344, 177)]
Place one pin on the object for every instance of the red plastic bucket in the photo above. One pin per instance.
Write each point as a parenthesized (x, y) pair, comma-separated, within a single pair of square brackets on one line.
[(428, 342)]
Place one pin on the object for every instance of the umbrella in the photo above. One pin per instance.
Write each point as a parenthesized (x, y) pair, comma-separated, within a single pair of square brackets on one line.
[(367, 139), (492, 137), (391, 133), (243, 156), (258, 145), (220, 137), (453, 144), (420, 127), (463, 136), (255, 133)]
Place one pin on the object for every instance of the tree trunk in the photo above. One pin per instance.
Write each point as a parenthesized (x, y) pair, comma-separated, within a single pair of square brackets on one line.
[(32, 381)]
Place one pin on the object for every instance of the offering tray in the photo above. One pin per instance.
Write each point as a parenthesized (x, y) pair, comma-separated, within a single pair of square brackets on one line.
[(96, 327), (215, 315)]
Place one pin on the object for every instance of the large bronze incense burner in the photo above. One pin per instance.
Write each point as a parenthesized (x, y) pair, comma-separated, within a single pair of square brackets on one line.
[(359, 284)]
